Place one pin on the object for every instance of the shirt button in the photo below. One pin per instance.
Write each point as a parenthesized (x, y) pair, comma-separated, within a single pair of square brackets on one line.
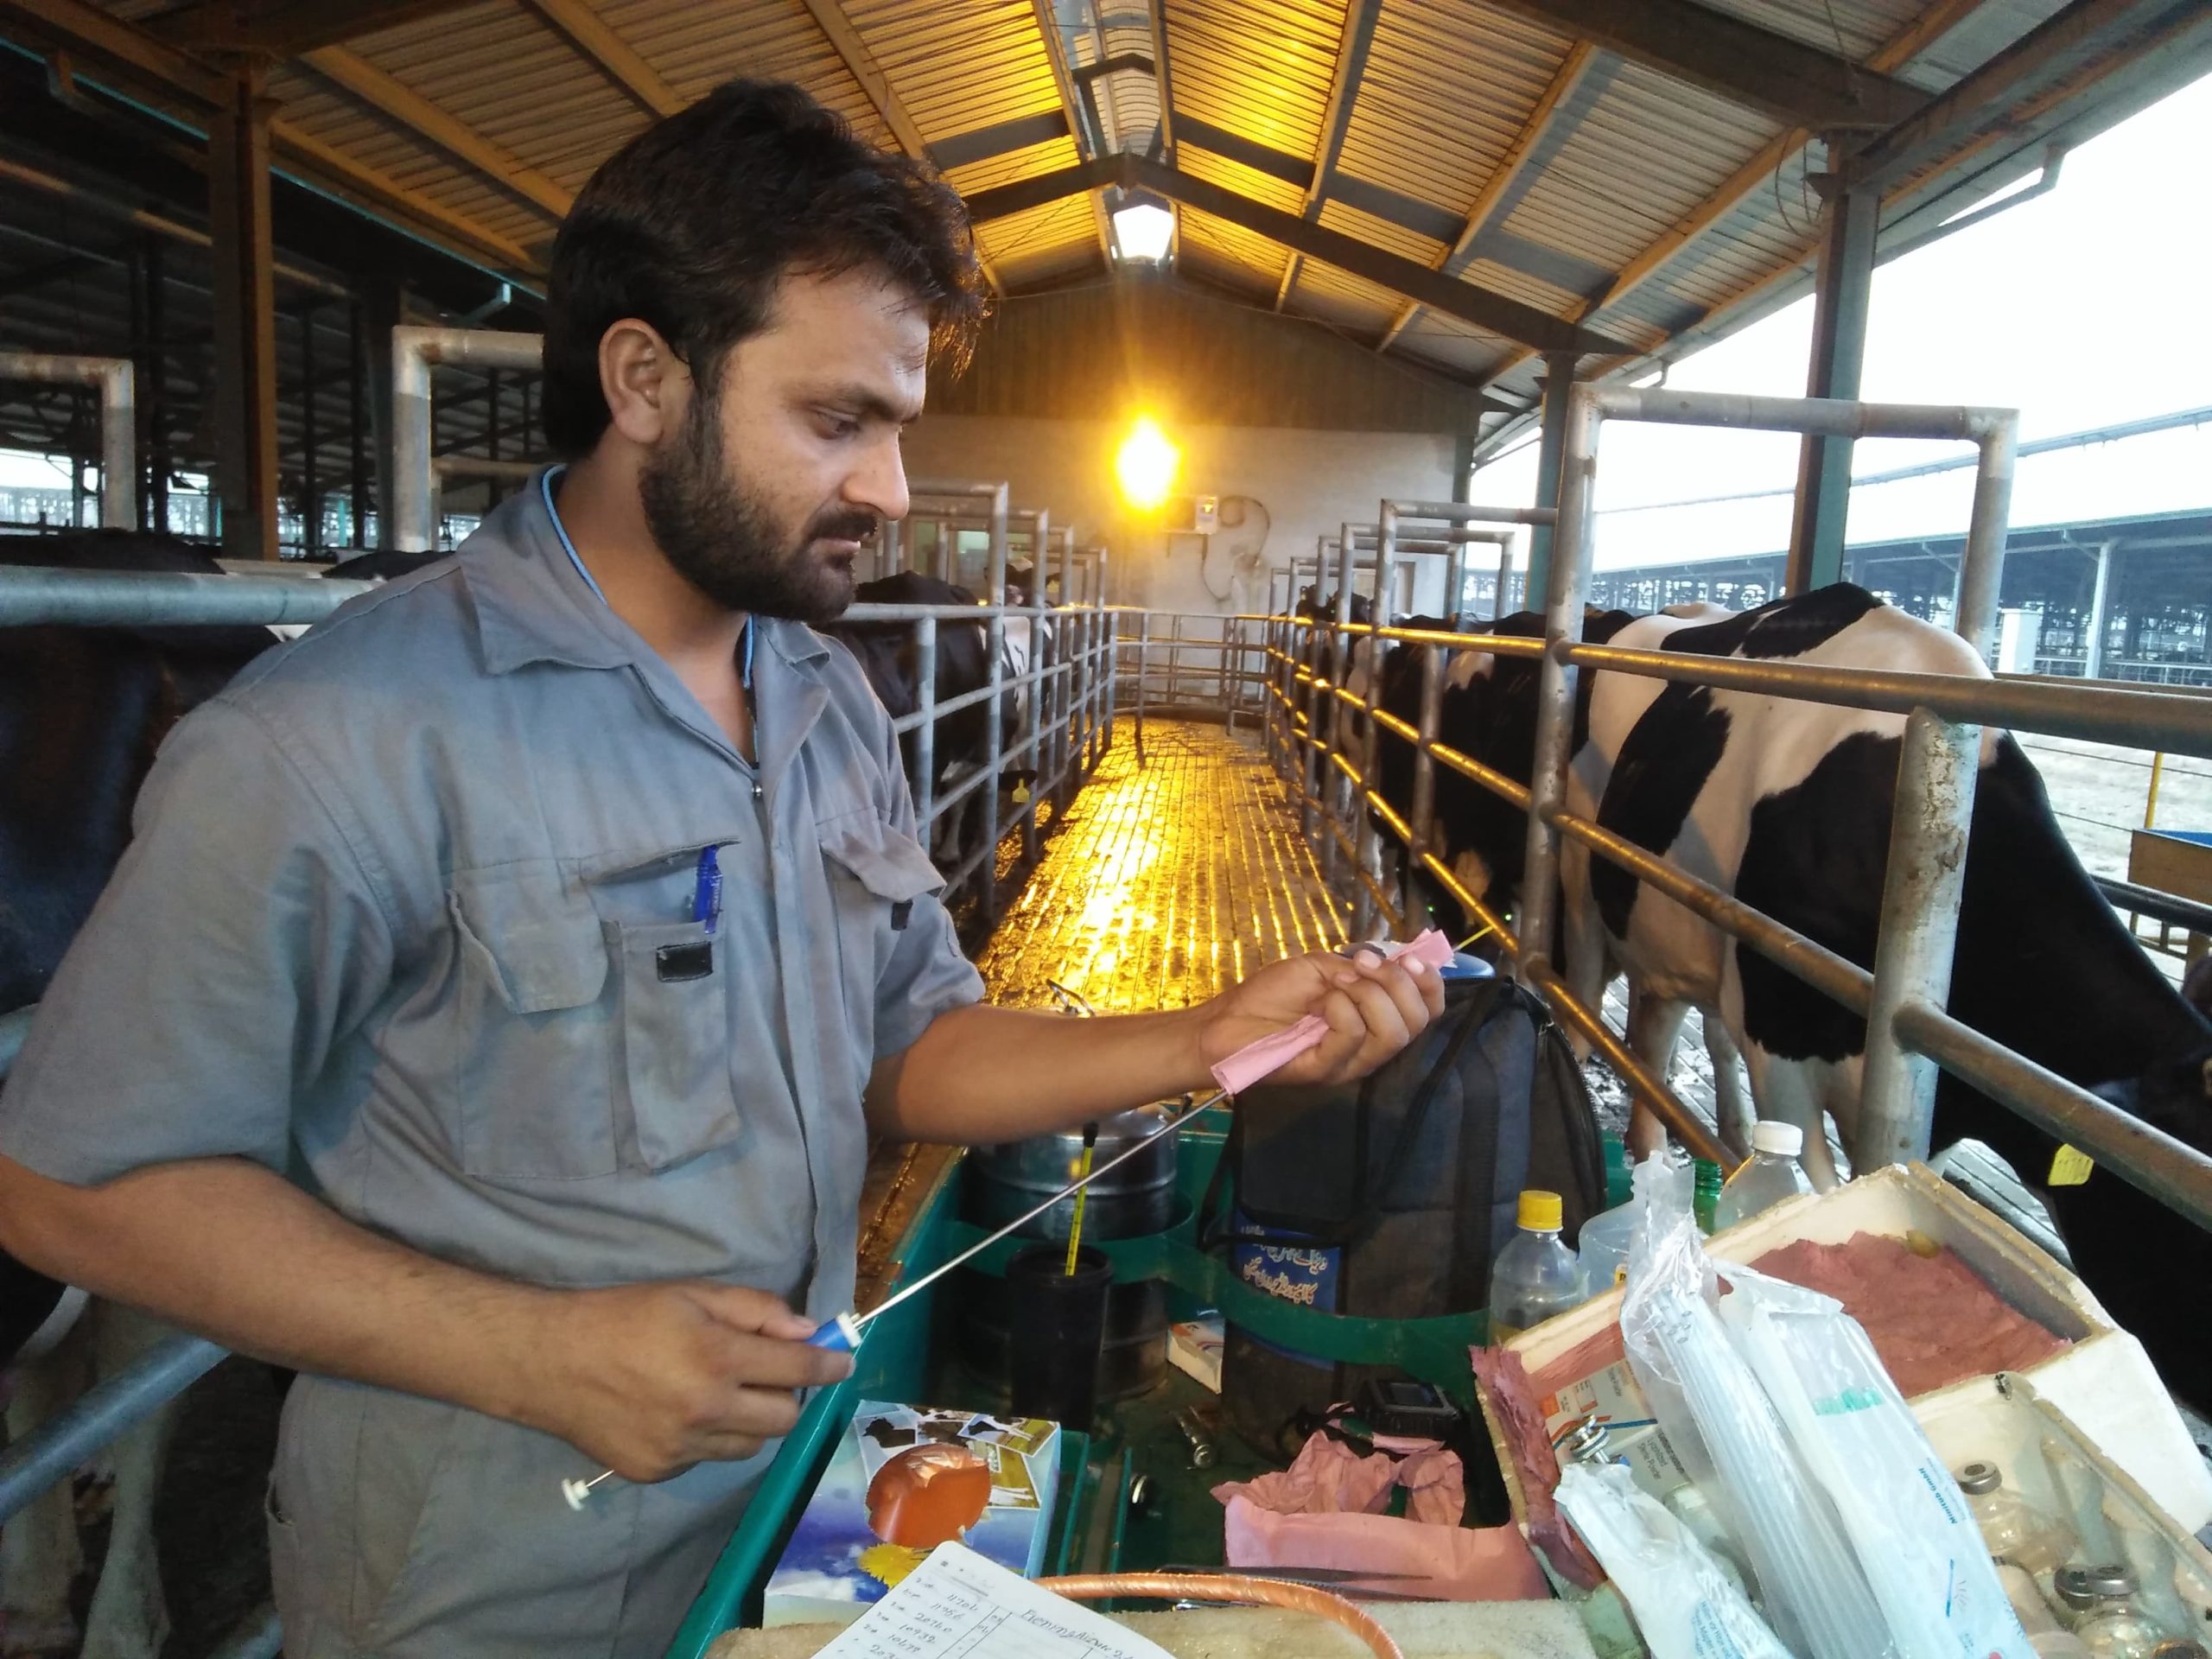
[(759, 794)]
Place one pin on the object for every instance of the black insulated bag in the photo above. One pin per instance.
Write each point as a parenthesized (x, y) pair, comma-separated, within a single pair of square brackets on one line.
[(1387, 1198)]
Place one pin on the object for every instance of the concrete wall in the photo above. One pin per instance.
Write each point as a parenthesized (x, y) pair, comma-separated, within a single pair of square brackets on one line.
[(1297, 485)]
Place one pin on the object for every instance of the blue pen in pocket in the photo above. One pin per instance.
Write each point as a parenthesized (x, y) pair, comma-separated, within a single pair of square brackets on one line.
[(707, 893)]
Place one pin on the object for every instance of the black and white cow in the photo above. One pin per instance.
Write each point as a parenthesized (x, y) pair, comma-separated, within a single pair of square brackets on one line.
[(886, 655), (1787, 805), (82, 711)]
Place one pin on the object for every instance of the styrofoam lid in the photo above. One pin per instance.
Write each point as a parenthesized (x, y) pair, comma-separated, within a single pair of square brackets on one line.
[(1772, 1135)]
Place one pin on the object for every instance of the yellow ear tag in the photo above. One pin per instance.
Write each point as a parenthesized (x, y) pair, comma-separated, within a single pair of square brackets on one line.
[(2070, 1167), (1021, 794)]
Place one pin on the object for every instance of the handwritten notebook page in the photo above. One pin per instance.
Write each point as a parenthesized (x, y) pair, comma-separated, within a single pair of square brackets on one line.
[(959, 1606)]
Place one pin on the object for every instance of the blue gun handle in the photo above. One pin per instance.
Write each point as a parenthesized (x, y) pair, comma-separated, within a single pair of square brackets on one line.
[(840, 1335)]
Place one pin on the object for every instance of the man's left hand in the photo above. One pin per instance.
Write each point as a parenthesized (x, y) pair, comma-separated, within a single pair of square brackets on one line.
[(1374, 1007)]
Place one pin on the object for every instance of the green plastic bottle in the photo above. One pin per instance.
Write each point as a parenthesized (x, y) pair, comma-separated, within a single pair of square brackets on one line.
[(1705, 1192)]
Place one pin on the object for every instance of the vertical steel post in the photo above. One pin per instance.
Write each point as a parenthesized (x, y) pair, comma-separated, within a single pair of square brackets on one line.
[(1335, 787), (118, 445), (245, 318), (156, 516), (310, 484), (1175, 658), (1144, 667), (1844, 291), (890, 552), (1424, 801), (413, 513), (1551, 448), (926, 732), (357, 505), (987, 871), (1930, 828), (2093, 660), (1498, 612), (1569, 573)]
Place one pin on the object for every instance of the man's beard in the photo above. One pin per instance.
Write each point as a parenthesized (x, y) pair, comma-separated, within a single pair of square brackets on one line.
[(723, 538)]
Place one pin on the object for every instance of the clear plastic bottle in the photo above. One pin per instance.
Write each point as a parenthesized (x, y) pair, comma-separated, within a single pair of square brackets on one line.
[(2014, 1530), (2101, 1602), (1603, 1248), (1536, 1275), (1769, 1176)]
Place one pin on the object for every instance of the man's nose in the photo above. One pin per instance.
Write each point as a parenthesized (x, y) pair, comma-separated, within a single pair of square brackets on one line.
[(880, 483)]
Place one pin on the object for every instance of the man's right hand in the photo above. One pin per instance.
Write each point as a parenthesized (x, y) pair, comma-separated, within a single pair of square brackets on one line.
[(649, 1379)]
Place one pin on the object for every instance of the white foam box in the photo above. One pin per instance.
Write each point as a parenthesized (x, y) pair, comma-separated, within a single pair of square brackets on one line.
[(2044, 1456), (2103, 1385)]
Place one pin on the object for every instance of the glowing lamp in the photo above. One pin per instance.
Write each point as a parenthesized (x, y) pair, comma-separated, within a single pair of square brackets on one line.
[(1142, 232), (1145, 465)]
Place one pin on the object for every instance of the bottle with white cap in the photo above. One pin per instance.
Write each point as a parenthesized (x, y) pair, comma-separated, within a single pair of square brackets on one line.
[(1765, 1179), (1536, 1275)]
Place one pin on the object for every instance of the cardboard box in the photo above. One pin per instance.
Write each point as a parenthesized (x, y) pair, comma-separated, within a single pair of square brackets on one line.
[(835, 1567)]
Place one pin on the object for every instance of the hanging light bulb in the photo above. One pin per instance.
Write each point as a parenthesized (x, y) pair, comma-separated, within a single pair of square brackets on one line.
[(1145, 465)]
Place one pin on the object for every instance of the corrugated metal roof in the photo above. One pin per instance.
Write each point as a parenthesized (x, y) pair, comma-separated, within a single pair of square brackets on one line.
[(1666, 203), (1447, 89), (1261, 69)]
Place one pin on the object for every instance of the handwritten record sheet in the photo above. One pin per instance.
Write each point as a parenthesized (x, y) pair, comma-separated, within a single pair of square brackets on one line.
[(959, 1606)]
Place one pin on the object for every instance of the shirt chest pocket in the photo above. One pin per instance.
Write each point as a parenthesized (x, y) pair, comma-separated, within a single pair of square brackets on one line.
[(876, 875), (534, 1047), (627, 1022)]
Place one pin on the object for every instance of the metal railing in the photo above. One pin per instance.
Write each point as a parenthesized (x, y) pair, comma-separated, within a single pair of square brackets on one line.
[(1908, 1034)]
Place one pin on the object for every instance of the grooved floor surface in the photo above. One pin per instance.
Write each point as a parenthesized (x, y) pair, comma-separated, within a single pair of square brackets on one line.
[(1173, 874), (1171, 878)]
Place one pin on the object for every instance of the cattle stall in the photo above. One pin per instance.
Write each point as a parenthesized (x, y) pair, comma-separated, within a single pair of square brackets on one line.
[(1323, 732)]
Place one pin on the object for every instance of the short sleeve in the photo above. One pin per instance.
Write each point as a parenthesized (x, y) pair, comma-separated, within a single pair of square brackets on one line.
[(238, 943), (926, 974)]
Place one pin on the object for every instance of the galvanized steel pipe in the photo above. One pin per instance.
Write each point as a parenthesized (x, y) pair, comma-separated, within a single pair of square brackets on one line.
[(925, 726), (1570, 584), (2175, 1173), (115, 380), (38, 596), (64, 1441), (414, 349)]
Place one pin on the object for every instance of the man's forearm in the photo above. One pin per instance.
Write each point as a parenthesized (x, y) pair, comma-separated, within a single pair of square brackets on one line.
[(228, 1249), (987, 1074)]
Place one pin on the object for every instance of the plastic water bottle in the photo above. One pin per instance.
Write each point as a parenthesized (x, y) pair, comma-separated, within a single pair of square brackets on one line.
[(1536, 1275), (1771, 1175), (1603, 1248)]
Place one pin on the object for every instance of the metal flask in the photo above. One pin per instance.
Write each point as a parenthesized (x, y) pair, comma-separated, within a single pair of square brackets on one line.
[(998, 1183)]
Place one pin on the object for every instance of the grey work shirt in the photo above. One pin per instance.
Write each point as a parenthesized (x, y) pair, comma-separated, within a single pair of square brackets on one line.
[(410, 913)]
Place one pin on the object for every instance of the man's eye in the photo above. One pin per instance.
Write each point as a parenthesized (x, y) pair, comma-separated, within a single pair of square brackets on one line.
[(838, 426)]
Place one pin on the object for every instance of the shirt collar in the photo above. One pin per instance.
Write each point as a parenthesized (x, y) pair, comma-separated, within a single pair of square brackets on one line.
[(535, 601)]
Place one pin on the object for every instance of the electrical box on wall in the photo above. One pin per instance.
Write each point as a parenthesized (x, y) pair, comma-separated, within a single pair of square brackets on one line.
[(1193, 514)]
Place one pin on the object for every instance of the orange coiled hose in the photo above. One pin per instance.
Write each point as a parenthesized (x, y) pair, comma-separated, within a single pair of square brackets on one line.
[(1227, 1587)]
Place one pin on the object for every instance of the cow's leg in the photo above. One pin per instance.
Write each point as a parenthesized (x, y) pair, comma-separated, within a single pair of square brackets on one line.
[(1730, 1107), (1655, 1025), (129, 1617), (40, 1557), (1791, 1091)]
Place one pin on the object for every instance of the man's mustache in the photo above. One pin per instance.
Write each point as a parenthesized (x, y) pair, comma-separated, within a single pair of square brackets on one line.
[(841, 527)]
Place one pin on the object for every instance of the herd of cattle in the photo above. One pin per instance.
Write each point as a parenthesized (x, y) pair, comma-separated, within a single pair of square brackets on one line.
[(1787, 805), (82, 711)]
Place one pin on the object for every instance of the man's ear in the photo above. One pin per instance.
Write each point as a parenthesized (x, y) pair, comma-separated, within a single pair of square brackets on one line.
[(644, 383)]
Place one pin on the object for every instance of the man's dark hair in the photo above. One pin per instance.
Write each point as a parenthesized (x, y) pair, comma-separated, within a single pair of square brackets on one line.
[(691, 226)]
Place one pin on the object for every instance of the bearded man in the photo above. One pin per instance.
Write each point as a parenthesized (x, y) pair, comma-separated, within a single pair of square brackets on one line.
[(510, 971)]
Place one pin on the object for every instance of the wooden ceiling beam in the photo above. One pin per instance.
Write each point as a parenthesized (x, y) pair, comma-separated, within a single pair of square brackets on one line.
[(285, 28), (612, 55), (385, 96)]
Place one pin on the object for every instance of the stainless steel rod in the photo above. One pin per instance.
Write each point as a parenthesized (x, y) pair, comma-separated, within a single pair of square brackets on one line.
[(64, 1441), (36, 596)]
